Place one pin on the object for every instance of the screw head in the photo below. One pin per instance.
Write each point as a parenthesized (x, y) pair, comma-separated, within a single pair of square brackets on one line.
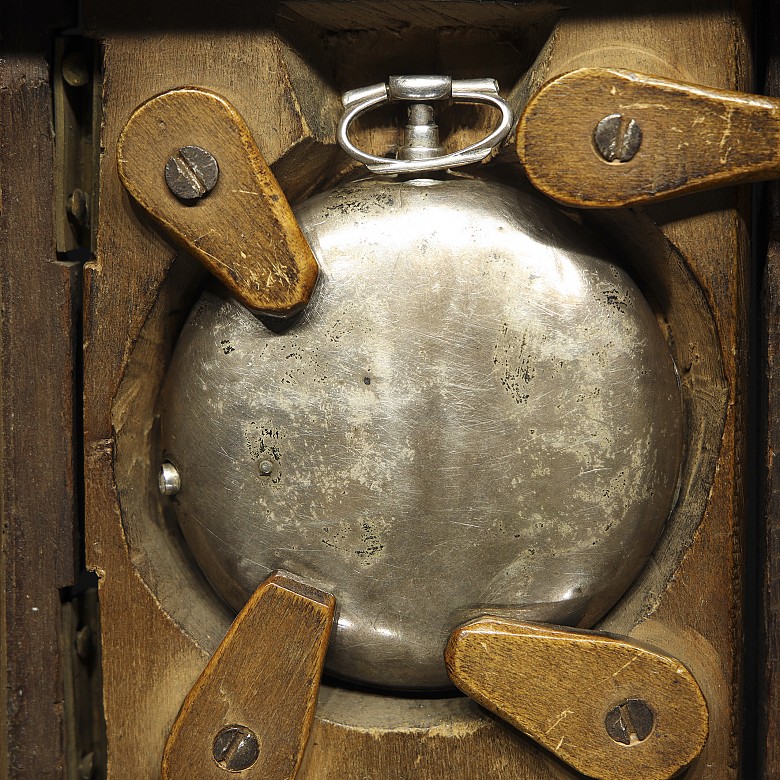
[(617, 138), (169, 480), (235, 748), (266, 467), (630, 722), (84, 643), (76, 69), (191, 173), (77, 206), (86, 767)]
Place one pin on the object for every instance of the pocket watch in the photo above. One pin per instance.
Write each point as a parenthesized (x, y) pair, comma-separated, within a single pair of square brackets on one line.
[(476, 412)]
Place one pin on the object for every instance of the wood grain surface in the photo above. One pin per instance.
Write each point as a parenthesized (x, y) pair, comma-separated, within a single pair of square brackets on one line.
[(560, 687), (243, 231), (264, 676), (157, 613), (38, 532), (767, 679), (696, 614), (768, 711), (692, 138), (137, 292)]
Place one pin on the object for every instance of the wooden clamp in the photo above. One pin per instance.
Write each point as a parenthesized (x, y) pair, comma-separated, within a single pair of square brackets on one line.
[(612, 709), (229, 211), (252, 708), (600, 137)]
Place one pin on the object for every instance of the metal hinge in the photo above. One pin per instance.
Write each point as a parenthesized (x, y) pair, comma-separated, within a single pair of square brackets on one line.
[(85, 733), (77, 132)]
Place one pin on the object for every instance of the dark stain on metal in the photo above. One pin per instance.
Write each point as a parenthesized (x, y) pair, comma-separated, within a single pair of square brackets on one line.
[(371, 543), (616, 300)]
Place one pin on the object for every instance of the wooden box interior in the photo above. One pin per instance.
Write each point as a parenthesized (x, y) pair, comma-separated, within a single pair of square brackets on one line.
[(284, 66)]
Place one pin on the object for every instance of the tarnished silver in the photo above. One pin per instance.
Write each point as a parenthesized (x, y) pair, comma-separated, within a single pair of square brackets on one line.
[(417, 89), (168, 480), (476, 412), (617, 138)]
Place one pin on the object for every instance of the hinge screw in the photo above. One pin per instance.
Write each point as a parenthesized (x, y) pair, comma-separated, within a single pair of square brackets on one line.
[(236, 748), (76, 69), (630, 722), (77, 206), (86, 767), (191, 173), (617, 139), (84, 643)]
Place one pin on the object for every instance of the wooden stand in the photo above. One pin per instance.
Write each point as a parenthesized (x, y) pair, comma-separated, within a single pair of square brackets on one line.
[(251, 710)]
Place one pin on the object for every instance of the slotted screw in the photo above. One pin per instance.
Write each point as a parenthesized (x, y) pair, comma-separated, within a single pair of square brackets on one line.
[(86, 767), (76, 69), (630, 722), (617, 138), (77, 206), (191, 173), (235, 748), (84, 643)]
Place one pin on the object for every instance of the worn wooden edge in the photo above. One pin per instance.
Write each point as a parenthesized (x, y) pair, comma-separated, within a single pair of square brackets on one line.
[(250, 240), (280, 636), (692, 138), (558, 686), (767, 641), (768, 690), (38, 548)]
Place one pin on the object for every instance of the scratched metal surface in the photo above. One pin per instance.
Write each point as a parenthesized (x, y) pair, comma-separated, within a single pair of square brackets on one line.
[(476, 413)]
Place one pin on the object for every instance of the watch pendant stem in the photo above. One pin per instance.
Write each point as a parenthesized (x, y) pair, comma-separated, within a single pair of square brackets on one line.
[(421, 134)]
